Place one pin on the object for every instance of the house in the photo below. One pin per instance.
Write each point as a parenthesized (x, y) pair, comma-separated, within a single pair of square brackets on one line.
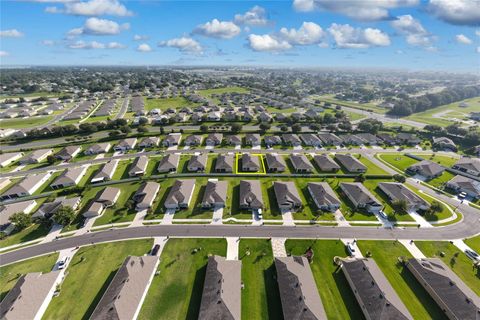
[(214, 139), (172, 139), (215, 194), (126, 144), (214, 116), (233, 140), (464, 184), (197, 163), (387, 139), (468, 165), (68, 153), (36, 156), (290, 139), (149, 142), (250, 195), (374, 293), (47, 210), (126, 292), (360, 197), (169, 163), (350, 139), (7, 159), (145, 196), (444, 143), (69, 178), (27, 186), (98, 148), (193, 140), (350, 163), (224, 163), (30, 296), (222, 290), (250, 163), (325, 163), (398, 192), (138, 166), (287, 195), (407, 138), (427, 169), (4, 182), (272, 141), (301, 164), (298, 292), (369, 139), (323, 195), (311, 140), (275, 162), (265, 117), (180, 194), (253, 139), (6, 211), (108, 196), (330, 139), (95, 209), (450, 293), (106, 172)]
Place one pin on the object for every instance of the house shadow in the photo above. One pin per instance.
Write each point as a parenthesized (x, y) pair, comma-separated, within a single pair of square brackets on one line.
[(353, 309), (99, 295), (196, 296), (274, 304)]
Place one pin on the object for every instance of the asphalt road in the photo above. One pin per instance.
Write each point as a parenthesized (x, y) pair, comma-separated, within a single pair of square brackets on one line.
[(469, 228), (123, 109)]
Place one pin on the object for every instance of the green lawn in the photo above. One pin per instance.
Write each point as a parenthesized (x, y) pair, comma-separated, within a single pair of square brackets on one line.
[(455, 259), (10, 274), (89, 273), (399, 161), (474, 243), (440, 181), (176, 293), (194, 210), (33, 232), (362, 106), (416, 299), (371, 167), (337, 297), (443, 160), (165, 103), (260, 297), (122, 172), (24, 122), (207, 93), (452, 112)]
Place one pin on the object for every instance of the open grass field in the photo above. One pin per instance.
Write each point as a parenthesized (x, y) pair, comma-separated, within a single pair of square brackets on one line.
[(455, 259), (443, 160), (165, 103), (21, 123), (447, 114), (89, 273), (207, 93), (337, 297), (260, 297), (177, 291), (399, 161), (416, 299), (10, 274), (474, 243), (362, 106)]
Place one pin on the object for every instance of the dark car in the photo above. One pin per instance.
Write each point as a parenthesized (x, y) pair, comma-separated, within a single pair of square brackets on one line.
[(155, 250)]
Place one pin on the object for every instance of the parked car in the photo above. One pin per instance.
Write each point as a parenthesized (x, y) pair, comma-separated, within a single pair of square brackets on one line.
[(472, 255), (155, 250), (62, 263), (382, 214), (351, 249), (462, 195), (259, 214)]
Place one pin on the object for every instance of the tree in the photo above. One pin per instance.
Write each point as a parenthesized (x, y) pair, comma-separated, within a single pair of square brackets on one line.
[(399, 178), (264, 126), (142, 121), (399, 206), (64, 215), (436, 207), (142, 129), (125, 129), (360, 178), (204, 128), (20, 220), (51, 159), (283, 128), (370, 125), (296, 127), (236, 127)]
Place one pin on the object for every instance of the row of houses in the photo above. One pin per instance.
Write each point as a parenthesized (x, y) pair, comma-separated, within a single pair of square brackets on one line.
[(81, 110), (106, 109)]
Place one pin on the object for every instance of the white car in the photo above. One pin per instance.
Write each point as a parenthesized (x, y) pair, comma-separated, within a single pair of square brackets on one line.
[(472, 255), (462, 195), (350, 249), (382, 214), (62, 264)]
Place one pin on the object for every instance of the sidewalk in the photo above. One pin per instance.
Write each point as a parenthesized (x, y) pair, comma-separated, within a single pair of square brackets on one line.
[(217, 216), (232, 248), (412, 248), (53, 233), (168, 216), (278, 247)]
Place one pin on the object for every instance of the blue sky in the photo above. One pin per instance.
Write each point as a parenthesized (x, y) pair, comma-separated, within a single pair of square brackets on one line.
[(413, 34)]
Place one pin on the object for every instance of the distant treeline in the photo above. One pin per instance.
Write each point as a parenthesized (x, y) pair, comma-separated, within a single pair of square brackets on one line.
[(409, 105)]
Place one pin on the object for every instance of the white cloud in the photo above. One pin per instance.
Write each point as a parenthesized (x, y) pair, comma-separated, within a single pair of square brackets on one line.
[(11, 33), (48, 43), (478, 50), (477, 32), (95, 45), (348, 37), (96, 26), (218, 29), (4, 53), (415, 34), (92, 8), (361, 10), (458, 12), (309, 33), (184, 44), (463, 39), (144, 48), (139, 37), (253, 17), (267, 43)]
